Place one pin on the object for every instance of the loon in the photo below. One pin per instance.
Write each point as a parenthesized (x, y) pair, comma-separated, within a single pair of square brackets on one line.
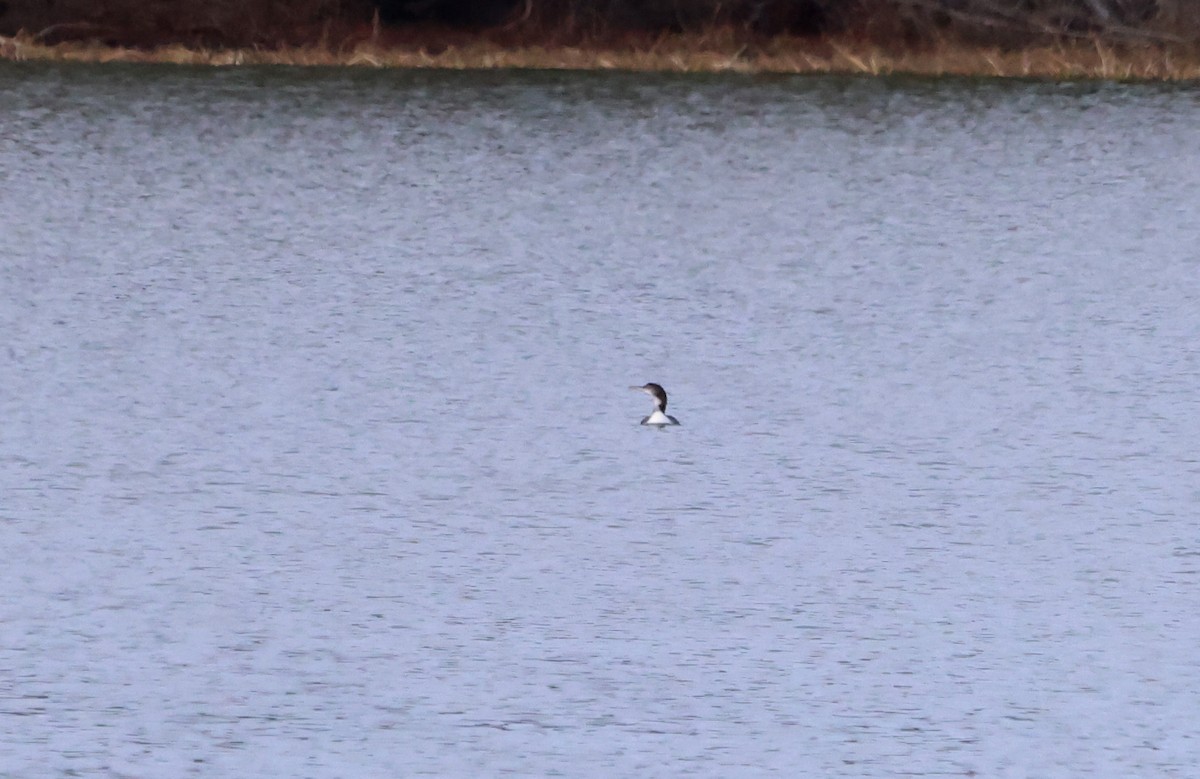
[(660, 417)]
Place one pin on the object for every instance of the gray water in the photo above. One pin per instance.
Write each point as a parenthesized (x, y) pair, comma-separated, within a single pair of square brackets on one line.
[(318, 457)]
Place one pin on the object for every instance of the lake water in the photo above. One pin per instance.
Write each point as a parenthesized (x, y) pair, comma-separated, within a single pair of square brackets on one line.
[(318, 457)]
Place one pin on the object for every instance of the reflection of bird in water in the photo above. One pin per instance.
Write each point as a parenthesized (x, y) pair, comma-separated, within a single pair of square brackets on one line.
[(660, 416)]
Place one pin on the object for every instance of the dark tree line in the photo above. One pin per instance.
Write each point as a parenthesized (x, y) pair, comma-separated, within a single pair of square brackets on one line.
[(907, 22)]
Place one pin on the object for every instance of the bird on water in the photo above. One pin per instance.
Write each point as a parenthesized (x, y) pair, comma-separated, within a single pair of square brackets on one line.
[(660, 417)]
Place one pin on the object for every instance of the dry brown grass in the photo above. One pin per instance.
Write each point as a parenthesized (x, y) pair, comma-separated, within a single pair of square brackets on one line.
[(683, 53)]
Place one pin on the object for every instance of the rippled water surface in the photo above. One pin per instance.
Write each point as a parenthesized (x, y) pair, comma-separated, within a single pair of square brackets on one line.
[(317, 457)]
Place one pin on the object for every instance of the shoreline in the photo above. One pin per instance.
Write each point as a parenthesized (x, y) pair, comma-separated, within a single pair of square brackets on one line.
[(679, 53)]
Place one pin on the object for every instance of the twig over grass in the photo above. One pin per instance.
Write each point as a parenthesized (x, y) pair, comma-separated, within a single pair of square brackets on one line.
[(709, 52)]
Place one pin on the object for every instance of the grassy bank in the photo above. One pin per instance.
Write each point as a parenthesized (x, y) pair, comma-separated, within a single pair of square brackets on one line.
[(714, 51)]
